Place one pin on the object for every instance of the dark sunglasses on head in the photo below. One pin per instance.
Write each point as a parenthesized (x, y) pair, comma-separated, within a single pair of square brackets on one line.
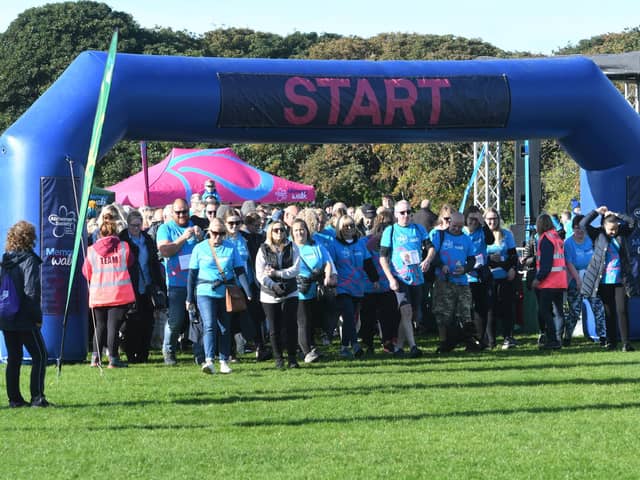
[(181, 212)]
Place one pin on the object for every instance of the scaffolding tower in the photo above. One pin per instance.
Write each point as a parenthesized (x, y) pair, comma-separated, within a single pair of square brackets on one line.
[(486, 185)]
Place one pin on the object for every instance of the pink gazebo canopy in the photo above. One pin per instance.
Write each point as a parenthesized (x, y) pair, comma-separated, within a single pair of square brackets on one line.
[(185, 170)]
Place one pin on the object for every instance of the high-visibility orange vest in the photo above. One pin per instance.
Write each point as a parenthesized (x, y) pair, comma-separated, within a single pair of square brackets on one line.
[(110, 284), (557, 277)]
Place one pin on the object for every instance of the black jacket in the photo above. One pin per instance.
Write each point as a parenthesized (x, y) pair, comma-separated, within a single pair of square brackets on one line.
[(601, 240), (155, 267), (24, 269)]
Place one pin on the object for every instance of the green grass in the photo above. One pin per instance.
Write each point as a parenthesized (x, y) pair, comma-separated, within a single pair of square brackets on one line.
[(516, 414)]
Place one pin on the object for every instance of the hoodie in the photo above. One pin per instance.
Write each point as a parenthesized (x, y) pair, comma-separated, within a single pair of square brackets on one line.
[(24, 269), (108, 286)]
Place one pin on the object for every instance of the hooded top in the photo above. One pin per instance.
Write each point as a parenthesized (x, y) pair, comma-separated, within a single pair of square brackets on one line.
[(106, 267), (24, 269)]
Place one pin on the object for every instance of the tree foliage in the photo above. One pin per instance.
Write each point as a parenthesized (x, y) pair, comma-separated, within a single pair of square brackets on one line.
[(42, 41)]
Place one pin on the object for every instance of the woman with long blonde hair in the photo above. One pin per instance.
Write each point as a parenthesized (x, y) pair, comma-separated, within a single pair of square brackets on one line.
[(503, 260), (277, 264)]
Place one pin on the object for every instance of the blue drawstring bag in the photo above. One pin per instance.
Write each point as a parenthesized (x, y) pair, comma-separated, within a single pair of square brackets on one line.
[(9, 299)]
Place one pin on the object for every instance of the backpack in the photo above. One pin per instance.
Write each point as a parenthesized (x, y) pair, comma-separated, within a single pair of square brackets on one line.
[(9, 298)]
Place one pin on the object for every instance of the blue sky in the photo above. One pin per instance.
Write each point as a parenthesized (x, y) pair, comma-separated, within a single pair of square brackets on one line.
[(539, 26)]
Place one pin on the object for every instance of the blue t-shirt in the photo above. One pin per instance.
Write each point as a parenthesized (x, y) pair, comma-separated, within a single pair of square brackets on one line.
[(578, 254), (383, 281), (349, 261), (312, 257), (479, 251), (453, 253), (176, 266), (243, 250), (203, 261), (612, 273), (508, 242), (324, 238), (406, 251)]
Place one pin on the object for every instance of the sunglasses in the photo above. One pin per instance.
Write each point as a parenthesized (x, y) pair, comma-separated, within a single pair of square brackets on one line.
[(405, 212), (446, 219), (233, 223), (181, 212), (209, 186), (135, 225), (210, 212), (491, 219), (349, 226), (216, 233), (277, 230)]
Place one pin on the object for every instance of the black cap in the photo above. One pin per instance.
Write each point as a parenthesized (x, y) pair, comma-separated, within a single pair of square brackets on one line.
[(368, 210)]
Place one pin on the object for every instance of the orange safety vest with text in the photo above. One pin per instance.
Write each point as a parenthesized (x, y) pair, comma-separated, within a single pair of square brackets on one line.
[(110, 284), (557, 277)]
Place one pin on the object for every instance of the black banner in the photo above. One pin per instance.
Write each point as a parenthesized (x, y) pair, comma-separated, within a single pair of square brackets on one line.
[(633, 209), (57, 229), (304, 101)]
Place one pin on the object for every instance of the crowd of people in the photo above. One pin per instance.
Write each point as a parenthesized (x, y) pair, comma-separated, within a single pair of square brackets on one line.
[(314, 275)]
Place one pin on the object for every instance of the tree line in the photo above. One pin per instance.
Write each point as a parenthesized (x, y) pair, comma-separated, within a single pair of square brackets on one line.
[(41, 42)]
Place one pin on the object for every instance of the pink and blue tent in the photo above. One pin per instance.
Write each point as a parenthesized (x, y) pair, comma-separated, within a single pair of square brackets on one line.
[(185, 170)]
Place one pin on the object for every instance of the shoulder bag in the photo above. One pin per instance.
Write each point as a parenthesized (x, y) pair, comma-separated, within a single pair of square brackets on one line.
[(235, 299)]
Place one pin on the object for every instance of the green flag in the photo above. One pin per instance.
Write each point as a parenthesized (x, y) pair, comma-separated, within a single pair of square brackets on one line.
[(94, 146)]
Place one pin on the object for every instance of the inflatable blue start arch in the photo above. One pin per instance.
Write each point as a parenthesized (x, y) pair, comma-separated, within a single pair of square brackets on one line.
[(299, 101)]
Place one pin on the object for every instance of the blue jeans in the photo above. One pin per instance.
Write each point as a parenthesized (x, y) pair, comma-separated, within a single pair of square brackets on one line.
[(176, 298), (347, 307), (215, 323)]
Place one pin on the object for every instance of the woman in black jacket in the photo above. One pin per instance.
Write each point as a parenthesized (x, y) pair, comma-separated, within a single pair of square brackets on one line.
[(609, 272), (23, 329), (147, 277)]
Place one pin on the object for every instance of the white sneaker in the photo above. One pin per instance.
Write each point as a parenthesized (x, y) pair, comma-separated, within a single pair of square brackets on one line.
[(208, 367), (311, 357), (224, 367)]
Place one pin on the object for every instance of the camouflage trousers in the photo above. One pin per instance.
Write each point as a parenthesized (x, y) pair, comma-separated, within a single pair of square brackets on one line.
[(573, 313), (451, 303)]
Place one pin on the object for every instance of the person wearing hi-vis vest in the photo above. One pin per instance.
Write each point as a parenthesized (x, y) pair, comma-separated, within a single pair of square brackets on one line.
[(550, 280), (106, 267)]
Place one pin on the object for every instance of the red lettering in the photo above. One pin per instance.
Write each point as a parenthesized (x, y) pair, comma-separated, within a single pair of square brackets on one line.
[(394, 103), (334, 85), (435, 84), (302, 100), (358, 107)]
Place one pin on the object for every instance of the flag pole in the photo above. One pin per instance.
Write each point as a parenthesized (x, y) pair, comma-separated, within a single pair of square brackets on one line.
[(92, 157), (145, 170)]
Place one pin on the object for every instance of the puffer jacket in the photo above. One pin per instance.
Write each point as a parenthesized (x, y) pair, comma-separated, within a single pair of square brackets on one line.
[(601, 240), (24, 269)]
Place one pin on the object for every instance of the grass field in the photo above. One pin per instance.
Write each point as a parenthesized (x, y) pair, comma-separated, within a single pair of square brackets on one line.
[(516, 414)]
